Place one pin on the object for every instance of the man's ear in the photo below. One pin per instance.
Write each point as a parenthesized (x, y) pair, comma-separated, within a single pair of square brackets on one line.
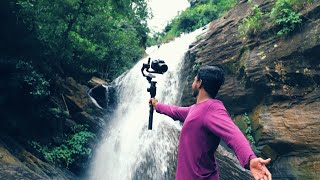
[(200, 82)]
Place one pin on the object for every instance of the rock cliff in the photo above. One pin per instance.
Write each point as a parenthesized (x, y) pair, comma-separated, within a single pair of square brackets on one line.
[(273, 79), (16, 162), (18, 159)]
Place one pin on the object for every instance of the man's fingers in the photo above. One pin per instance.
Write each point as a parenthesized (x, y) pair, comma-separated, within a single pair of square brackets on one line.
[(265, 177), (269, 175), (256, 177), (259, 170), (264, 161)]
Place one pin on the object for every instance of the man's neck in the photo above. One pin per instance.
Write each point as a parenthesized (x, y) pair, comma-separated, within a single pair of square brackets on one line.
[(202, 96)]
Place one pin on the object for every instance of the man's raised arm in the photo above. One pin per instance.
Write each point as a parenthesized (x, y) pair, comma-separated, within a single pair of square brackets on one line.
[(175, 112)]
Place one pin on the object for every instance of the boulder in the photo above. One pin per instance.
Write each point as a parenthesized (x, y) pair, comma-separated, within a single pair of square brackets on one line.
[(81, 107), (94, 81)]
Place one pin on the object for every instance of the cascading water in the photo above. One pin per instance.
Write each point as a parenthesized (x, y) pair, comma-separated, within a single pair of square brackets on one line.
[(129, 150)]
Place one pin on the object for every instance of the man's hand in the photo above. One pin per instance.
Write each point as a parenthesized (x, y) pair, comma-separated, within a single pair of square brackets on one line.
[(154, 102), (259, 170)]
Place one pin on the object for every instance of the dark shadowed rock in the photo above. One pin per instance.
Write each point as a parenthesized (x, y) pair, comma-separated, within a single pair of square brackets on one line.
[(104, 95), (99, 93), (229, 166)]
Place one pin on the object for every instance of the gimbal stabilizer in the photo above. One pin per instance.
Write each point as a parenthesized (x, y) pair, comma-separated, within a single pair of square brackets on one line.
[(159, 67)]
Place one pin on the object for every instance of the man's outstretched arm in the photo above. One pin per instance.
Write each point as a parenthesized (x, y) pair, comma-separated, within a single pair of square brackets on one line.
[(175, 112), (220, 123)]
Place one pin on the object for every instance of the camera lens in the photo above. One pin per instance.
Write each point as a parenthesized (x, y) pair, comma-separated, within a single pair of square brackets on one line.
[(159, 66)]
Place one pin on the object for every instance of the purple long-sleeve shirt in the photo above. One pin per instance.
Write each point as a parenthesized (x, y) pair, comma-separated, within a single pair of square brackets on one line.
[(204, 125)]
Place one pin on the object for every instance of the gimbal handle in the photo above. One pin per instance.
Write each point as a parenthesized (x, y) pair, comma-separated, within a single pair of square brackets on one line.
[(153, 91), (150, 117)]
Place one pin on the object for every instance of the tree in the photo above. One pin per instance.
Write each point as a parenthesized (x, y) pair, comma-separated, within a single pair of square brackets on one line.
[(93, 37)]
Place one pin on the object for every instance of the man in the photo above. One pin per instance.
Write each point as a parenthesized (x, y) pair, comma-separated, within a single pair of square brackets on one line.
[(205, 123)]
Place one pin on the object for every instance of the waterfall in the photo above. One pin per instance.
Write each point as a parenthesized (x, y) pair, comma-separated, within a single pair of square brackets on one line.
[(129, 150)]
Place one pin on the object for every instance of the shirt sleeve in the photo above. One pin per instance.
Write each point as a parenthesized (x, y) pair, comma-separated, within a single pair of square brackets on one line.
[(175, 112), (219, 122)]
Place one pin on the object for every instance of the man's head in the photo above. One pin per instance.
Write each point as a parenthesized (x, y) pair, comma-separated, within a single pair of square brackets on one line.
[(210, 78)]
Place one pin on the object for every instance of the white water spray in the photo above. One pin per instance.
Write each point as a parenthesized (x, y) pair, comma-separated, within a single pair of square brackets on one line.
[(129, 150)]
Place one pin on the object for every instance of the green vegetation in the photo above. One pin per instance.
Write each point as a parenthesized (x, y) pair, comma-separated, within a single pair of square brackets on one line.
[(252, 24), (248, 131), (75, 146), (244, 124), (196, 67), (42, 42), (79, 38), (286, 16), (194, 17), (34, 82), (59, 113)]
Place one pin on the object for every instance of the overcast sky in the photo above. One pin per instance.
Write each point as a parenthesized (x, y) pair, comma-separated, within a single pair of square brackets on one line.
[(163, 11)]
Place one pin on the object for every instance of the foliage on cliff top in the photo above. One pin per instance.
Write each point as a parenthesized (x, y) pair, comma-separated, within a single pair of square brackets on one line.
[(252, 24), (285, 14), (197, 15)]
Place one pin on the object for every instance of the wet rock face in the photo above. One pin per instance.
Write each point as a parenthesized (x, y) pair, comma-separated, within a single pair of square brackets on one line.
[(275, 80), (17, 163), (289, 125), (289, 133), (303, 167)]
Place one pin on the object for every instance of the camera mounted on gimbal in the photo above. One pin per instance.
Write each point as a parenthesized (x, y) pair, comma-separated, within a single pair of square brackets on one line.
[(159, 67)]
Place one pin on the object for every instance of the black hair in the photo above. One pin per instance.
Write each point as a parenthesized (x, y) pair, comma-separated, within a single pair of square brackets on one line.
[(212, 78)]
